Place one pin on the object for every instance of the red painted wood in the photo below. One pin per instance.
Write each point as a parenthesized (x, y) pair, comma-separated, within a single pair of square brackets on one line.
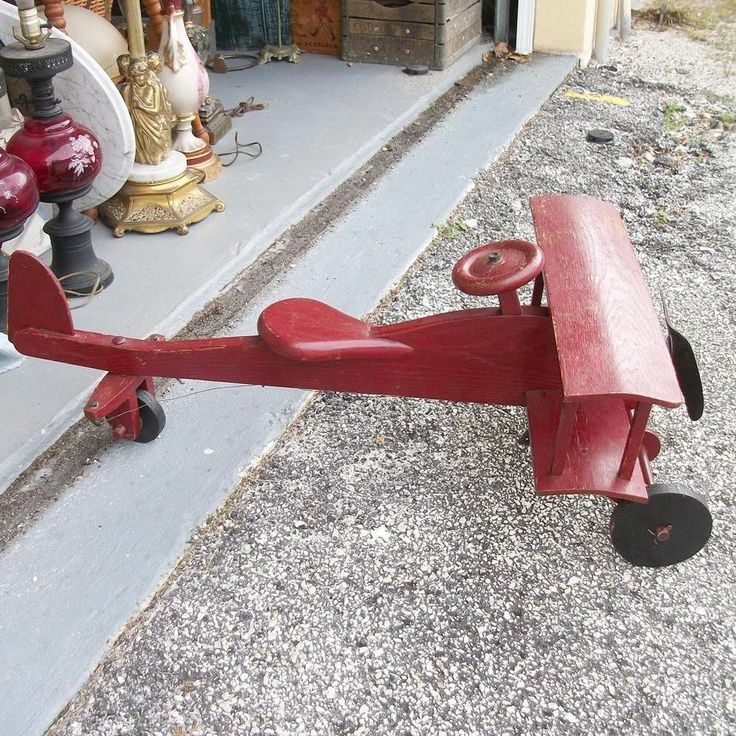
[(538, 291), (650, 447), (638, 427), (646, 467), (305, 329), (608, 335), (495, 268), (563, 437), (111, 391), (509, 302), (651, 443), (612, 354), (475, 355), (35, 297), (114, 399), (594, 453)]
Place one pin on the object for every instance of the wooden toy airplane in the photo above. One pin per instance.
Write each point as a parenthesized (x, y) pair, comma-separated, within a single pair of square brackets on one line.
[(588, 365)]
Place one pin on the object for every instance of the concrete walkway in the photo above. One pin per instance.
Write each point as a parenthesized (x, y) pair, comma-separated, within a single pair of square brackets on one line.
[(87, 565)]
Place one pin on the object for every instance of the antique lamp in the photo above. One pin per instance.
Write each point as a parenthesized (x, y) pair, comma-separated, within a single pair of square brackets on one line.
[(186, 81), (289, 51), (212, 118), (18, 201), (64, 156), (162, 192)]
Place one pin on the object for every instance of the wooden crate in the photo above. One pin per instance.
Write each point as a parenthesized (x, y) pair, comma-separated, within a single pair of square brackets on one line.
[(410, 32)]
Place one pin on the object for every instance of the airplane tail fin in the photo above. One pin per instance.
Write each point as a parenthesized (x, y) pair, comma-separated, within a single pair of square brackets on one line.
[(35, 297)]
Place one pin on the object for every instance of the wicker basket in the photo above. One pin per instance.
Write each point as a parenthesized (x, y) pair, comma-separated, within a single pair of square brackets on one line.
[(100, 7)]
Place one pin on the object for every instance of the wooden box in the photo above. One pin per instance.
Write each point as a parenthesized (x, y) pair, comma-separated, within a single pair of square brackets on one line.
[(433, 33), (316, 25)]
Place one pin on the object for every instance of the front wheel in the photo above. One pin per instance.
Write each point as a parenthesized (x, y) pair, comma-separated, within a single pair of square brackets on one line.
[(674, 525)]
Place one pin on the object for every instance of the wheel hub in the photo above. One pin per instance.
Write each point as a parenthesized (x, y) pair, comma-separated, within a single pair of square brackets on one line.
[(643, 533)]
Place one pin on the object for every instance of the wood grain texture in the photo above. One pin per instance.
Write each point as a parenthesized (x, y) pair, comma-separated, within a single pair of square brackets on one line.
[(432, 33), (477, 355), (54, 12), (309, 330), (35, 297), (498, 267), (412, 12), (115, 399), (608, 335), (397, 29), (593, 456), (473, 355)]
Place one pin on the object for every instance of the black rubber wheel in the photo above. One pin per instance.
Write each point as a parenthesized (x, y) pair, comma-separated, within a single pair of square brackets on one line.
[(153, 418), (672, 527)]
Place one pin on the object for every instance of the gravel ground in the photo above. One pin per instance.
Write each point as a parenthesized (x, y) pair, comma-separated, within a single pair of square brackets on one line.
[(388, 568)]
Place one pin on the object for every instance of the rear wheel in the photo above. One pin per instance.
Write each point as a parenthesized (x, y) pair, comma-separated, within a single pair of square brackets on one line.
[(153, 418), (674, 525)]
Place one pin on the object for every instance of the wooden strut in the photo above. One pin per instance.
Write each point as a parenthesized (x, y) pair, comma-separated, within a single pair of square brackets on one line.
[(639, 419)]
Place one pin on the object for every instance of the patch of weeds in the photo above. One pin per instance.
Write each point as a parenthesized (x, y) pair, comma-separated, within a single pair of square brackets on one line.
[(727, 120), (452, 229), (700, 20), (663, 13), (706, 19), (673, 121), (698, 34), (710, 14), (661, 219)]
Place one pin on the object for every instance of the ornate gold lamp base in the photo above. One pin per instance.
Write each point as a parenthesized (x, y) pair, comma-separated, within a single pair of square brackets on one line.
[(199, 155), (291, 52), (151, 207), (206, 161)]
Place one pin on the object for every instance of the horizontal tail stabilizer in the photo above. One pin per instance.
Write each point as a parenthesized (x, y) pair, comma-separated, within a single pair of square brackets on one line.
[(35, 297)]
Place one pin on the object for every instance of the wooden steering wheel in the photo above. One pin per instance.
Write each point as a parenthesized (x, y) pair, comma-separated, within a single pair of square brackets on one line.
[(499, 269)]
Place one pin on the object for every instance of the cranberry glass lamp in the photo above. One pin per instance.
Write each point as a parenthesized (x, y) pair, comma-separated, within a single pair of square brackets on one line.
[(18, 201), (66, 157)]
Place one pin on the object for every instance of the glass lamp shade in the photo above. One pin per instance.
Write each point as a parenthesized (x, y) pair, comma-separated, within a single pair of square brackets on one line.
[(65, 156), (18, 195)]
